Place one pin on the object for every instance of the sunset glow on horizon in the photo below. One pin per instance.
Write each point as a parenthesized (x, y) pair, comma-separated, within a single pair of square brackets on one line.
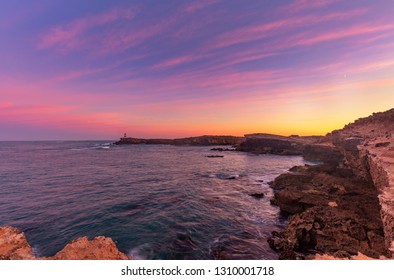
[(168, 69)]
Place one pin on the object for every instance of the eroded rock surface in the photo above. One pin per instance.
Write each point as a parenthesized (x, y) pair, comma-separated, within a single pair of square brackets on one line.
[(331, 211), (100, 248), (14, 246), (368, 147)]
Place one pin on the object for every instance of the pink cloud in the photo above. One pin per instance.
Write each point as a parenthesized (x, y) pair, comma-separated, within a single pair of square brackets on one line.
[(343, 33), (375, 66), (258, 32), (33, 113), (301, 5), (175, 62), (373, 39), (71, 35), (6, 105), (121, 39), (198, 5)]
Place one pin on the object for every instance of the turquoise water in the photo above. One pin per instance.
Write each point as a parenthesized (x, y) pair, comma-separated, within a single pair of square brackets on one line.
[(155, 201)]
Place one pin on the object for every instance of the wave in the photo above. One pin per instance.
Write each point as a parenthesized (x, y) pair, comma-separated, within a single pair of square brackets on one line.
[(94, 147)]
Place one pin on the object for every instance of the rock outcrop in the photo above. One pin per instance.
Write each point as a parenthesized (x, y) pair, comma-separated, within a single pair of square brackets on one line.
[(14, 246), (331, 211), (345, 206), (100, 248)]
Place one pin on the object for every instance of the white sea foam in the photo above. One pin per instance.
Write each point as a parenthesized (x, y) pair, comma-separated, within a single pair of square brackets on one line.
[(136, 253)]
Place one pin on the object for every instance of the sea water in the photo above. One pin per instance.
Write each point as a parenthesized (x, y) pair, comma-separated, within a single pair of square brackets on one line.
[(154, 201)]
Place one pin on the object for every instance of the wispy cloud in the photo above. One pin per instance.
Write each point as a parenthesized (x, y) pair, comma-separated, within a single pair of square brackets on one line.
[(198, 5), (276, 28), (72, 35), (344, 33), (302, 5), (172, 62), (5, 105)]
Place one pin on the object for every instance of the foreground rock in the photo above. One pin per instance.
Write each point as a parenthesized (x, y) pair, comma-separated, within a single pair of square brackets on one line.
[(344, 207), (100, 248), (359, 256), (14, 246)]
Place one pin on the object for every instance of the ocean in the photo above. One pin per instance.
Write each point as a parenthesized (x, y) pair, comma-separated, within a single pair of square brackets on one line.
[(154, 201)]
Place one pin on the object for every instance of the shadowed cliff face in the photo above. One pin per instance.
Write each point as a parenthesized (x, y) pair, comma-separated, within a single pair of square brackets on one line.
[(368, 147), (14, 246)]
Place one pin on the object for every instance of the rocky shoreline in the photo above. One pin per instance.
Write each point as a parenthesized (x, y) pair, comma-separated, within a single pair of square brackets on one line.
[(345, 206), (342, 207)]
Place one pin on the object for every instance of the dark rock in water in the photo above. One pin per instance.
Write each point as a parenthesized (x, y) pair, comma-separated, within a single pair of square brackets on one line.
[(258, 195), (223, 149), (214, 156)]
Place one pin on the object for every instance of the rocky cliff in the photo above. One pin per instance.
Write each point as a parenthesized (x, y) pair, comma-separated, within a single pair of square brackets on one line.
[(14, 246), (368, 147), (346, 205)]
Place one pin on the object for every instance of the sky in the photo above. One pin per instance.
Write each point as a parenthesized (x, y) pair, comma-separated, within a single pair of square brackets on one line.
[(92, 69)]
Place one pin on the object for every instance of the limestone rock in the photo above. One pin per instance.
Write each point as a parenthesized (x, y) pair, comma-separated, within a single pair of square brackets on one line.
[(14, 245), (100, 248)]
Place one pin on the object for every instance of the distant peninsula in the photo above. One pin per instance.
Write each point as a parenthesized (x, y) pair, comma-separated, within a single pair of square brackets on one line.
[(206, 140)]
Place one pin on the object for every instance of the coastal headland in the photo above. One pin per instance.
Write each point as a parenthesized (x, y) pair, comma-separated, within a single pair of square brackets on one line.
[(340, 207), (205, 140)]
